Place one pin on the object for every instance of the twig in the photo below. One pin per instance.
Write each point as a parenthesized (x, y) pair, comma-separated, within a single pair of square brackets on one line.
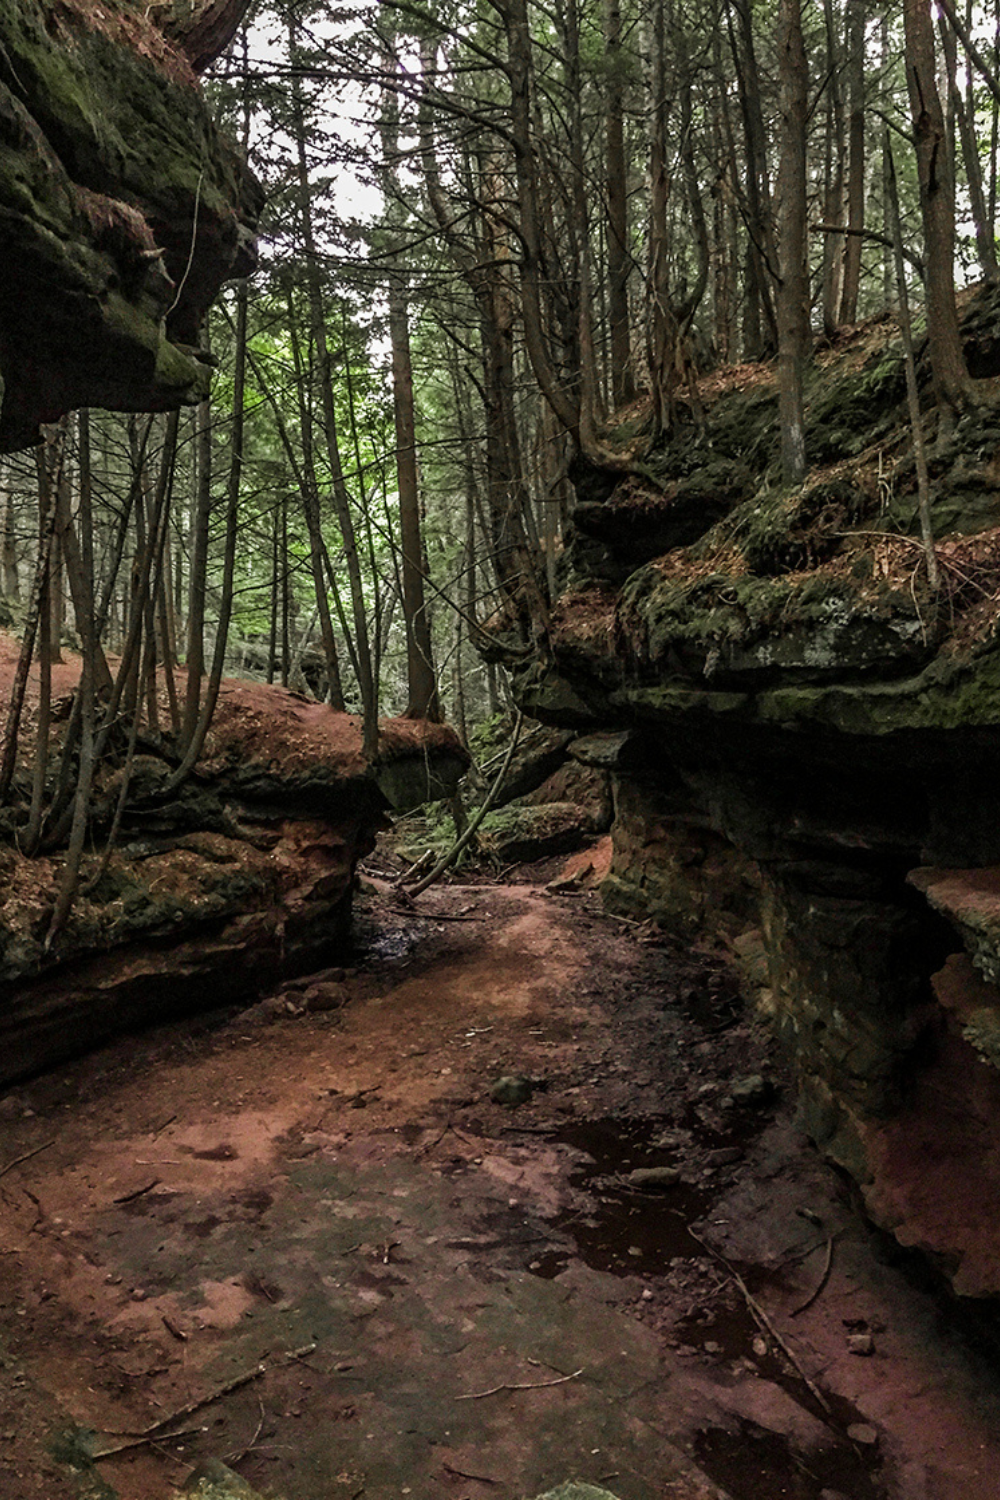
[(155, 1430), (531, 1385), (142, 1442), (819, 1285), (464, 1474), (235, 1458), (26, 1157), (173, 1329), (138, 1192)]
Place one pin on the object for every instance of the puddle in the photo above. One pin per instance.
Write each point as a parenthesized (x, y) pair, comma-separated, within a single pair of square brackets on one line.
[(753, 1464), (625, 1231)]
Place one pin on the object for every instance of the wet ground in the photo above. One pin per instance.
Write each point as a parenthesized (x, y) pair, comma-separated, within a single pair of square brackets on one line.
[(305, 1239)]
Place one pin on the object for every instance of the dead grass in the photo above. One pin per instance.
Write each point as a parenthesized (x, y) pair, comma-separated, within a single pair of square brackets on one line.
[(127, 27)]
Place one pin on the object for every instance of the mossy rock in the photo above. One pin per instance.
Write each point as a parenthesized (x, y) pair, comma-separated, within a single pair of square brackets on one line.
[(746, 630), (784, 531), (574, 1490), (214, 1481), (843, 415)]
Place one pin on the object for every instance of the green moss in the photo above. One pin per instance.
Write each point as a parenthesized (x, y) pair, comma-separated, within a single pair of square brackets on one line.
[(843, 413), (746, 628)]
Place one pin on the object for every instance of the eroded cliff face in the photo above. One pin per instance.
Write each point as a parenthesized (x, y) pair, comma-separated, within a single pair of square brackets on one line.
[(807, 757), (123, 209)]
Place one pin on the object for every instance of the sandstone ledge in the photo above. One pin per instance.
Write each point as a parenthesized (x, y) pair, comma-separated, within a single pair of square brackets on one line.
[(215, 894)]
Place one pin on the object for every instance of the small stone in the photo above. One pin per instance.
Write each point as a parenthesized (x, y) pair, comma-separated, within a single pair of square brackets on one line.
[(711, 1347), (863, 1432), (725, 1156), (860, 1343), (759, 1346), (653, 1177), (512, 1089), (323, 997), (647, 1295), (751, 1090), (11, 1107), (635, 1252)]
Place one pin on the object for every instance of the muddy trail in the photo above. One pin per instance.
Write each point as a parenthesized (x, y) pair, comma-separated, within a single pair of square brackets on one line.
[(319, 1241)]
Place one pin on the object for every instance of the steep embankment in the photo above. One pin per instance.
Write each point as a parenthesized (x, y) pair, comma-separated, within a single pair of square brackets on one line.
[(804, 728)]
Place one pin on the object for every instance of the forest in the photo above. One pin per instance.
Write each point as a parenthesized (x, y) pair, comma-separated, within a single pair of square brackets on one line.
[(505, 247)]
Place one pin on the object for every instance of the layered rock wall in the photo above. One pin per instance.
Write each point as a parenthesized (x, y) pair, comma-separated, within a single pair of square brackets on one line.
[(805, 728)]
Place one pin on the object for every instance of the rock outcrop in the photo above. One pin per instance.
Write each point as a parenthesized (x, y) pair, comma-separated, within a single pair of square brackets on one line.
[(123, 209), (217, 893), (808, 746)]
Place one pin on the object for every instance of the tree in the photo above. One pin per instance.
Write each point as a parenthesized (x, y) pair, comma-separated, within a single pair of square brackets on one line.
[(793, 285), (937, 205)]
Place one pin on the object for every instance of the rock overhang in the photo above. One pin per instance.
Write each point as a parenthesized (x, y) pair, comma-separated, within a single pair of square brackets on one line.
[(123, 210)]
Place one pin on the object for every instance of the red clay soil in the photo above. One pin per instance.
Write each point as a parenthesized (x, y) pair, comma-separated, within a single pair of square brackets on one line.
[(307, 1240)]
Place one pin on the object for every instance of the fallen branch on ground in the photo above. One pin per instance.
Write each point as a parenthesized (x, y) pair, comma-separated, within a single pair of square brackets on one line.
[(470, 832), (824, 1278), (156, 1429), (761, 1317), (137, 1192), (531, 1385), (26, 1157)]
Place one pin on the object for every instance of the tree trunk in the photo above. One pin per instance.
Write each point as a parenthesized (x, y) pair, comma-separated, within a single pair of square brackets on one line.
[(793, 287), (856, 159), (616, 189), (965, 115), (341, 497), (937, 205), (833, 196), (422, 693)]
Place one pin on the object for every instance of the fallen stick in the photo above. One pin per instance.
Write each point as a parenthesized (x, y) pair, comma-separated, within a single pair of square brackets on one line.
[(531, 1385), (156, 1429), (765, 1323), (471, 831), (26, 1157), (464, 1474), (820, 1284), (137, 1192), (440, 916), (150, 1441)]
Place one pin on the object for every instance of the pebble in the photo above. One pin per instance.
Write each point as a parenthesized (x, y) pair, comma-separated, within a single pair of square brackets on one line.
[(324, 997), (863, 1432), (653, 1177), (860, 1343), (725, 1156), (751, 1089), (512, 1089)]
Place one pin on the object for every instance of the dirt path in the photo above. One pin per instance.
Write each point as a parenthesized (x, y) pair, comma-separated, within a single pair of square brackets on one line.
[(435, 1295)]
